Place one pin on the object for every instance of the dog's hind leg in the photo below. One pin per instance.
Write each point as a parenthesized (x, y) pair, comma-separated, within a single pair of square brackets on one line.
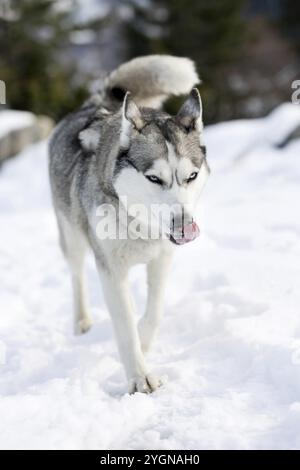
[(74, 246), (157, 271)]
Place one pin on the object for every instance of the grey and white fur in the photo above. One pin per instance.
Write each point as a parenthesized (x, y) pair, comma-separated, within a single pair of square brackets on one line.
[(119, 144)]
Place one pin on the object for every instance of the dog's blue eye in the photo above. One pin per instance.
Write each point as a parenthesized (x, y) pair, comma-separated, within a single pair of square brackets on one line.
[(154, 179), (192, 176)]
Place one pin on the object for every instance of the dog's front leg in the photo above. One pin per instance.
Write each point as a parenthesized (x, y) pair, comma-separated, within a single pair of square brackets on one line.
[(157, 271), (120, 305)]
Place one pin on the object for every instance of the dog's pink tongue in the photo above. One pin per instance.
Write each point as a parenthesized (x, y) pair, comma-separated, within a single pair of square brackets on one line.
[(190, 232)]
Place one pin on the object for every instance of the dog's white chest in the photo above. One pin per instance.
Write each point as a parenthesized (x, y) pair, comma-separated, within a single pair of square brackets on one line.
[(137, 251)]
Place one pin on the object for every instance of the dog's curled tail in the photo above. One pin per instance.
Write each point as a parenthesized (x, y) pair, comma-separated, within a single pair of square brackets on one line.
[(152, 79)]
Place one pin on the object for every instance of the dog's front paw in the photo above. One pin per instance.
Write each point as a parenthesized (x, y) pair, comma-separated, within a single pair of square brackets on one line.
[(82, 326), (147, 383)]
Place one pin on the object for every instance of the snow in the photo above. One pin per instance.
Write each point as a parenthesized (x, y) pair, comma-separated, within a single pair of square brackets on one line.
[(12, 120), (229, 347)]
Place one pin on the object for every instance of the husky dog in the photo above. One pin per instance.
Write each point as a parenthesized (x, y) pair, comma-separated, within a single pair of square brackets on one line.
[(119, 146)]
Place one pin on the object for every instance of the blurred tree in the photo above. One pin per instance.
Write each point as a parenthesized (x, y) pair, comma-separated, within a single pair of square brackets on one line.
[(290, 22), (211, 33), (32, 34)]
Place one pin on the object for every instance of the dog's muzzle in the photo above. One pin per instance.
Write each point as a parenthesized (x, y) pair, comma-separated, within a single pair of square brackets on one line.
[(183, 233)]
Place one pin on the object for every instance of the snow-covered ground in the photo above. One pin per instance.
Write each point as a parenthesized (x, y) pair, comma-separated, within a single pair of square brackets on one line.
[(230, 340)]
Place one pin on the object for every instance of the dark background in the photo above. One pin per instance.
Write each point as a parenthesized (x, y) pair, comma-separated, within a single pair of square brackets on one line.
[(247, 52)]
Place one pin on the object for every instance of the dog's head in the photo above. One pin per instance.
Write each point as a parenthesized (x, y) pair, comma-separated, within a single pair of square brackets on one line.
[(162, 166)]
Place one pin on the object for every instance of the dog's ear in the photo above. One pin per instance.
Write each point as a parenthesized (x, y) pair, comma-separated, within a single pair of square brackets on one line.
[(131, 119), (190, 113)]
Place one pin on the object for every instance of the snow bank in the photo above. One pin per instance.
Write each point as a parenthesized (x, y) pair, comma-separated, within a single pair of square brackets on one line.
[(243, 136), (229, 346), (19, 129), (12, 120)]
